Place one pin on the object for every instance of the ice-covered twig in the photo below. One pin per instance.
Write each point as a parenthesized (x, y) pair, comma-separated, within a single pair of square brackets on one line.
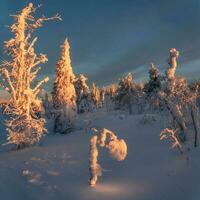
[(171, 134)]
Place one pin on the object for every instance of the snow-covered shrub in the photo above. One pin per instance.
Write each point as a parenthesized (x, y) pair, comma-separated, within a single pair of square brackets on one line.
[(108, 139), (172, 135), (64, 94), (24, 126)]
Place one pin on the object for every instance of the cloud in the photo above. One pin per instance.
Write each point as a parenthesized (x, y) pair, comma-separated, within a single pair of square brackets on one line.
[(111, 37)]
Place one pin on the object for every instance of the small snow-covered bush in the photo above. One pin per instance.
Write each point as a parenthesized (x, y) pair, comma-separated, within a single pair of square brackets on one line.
[(108, 139), (172, 135)]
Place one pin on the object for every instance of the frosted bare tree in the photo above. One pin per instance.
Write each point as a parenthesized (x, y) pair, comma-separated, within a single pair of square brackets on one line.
[(24, 125), (180, 100), (64, 93), (106, 139)]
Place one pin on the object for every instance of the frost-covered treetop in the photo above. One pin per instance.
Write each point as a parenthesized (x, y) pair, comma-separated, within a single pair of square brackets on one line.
[(174, 54)]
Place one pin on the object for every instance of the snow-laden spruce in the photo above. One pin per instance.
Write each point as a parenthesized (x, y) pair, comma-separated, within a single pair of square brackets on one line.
[(24, 126), (125, 92), (106, 139), (64, 93), (96, 98), (83, 100)]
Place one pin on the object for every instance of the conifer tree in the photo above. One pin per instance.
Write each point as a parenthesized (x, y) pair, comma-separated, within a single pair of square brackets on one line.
[(96, 99), (102, 95), (64, 94), (152, 88), (83, 94), (112, 91), (154, 83), (125, 92), (24, 125)]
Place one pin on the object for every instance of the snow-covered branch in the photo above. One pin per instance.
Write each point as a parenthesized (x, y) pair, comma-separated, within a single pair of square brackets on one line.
[(37, 87), (172, 135), (5, 72)]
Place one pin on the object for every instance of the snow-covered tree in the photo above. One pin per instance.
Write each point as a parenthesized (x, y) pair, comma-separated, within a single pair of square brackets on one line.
[(95, 94), (102, 95), (152, 88), (125, 91), (83, 94), (24, 125), (109, 97), (180, 100), (112, 90), (64, 93), (154, 83), (174, 93), (106, 139)]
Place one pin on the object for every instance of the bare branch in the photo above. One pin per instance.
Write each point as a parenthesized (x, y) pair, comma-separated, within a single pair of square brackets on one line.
[(7, 77)]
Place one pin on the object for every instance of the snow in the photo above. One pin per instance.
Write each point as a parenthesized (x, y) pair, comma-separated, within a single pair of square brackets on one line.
[(58, 168)]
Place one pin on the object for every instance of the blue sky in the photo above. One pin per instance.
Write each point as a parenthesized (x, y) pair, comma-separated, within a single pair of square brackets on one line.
[(108, 38)]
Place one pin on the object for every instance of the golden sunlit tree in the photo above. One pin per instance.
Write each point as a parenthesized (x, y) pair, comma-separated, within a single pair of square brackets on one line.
[(112, 90), (24, 125), (96, 99), (64, 93)]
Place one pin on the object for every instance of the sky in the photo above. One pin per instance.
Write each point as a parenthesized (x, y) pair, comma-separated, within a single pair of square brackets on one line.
[(109, 38)]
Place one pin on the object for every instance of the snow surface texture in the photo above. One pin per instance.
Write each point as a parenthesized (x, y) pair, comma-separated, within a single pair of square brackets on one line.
[(58, 167)]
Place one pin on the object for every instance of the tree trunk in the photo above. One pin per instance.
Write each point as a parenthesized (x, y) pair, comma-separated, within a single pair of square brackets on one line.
[(195, 124)]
